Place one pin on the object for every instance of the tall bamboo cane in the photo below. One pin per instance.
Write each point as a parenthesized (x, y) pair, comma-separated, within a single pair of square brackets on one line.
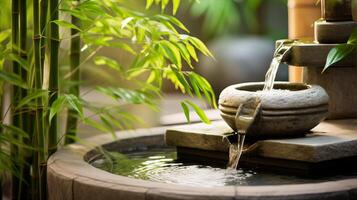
[(72, 118), (53, 79), (25, 155), (16, 119), (39, 160), (43, 22)]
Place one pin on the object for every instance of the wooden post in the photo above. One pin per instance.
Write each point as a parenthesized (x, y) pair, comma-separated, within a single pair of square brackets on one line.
[(302, 15)]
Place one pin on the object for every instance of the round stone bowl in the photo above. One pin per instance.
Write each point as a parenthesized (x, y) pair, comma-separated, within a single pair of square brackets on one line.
[(290, 110)]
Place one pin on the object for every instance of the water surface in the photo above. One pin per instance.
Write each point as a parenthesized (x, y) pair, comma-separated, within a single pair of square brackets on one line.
[(161, 165)]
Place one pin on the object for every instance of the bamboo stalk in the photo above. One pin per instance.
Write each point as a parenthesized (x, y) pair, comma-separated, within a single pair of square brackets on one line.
[(1, 119), (39, 159), (53, 79), (24, 154), (16, 119), (43, 22), (72, 118)]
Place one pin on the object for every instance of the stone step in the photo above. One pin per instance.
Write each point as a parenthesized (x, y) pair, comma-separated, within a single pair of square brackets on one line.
[(311, 54), (330, 140), (333, 32)]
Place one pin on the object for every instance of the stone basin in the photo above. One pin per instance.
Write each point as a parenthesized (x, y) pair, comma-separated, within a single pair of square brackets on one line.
[(290, 110), (71, 177)]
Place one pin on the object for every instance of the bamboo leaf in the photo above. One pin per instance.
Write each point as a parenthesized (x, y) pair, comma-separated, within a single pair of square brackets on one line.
[(199, 112), (185, 53), (74, 103), (174, 21), (32, 96), (175, 5), (353, 37), (126, 21), (65, 24), (149, 3), (96, 125), (23, 63), (171, 52), (337, 54), (164, 4), (57, 106), (76, 13), (192, 51), (5, 34), (15, 130), (186, 111), (13, 79), (200, 46), (102, 60)]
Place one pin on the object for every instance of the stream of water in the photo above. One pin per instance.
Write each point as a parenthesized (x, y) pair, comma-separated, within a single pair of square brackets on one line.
[(236, 150)]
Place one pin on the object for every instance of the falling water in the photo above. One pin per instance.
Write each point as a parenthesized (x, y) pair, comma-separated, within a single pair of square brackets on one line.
[(271, 73), (235, 150), (274, 65)]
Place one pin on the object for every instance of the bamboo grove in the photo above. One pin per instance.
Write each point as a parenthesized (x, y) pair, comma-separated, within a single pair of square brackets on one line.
[(36, 41)]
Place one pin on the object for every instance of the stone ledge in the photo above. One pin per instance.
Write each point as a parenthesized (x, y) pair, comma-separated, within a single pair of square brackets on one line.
[(333, 32), (310, 54), (330, 140)]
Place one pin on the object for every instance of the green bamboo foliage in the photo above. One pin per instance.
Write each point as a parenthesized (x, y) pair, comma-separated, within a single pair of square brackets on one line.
[(72, 118), (54, 73)]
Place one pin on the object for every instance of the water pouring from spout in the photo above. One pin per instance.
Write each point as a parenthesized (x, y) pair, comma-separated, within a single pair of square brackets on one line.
[(245, 117), (248, 110)]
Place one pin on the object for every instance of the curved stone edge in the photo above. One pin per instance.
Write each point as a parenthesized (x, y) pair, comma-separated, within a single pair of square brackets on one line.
[(71, 178), (313, 96)]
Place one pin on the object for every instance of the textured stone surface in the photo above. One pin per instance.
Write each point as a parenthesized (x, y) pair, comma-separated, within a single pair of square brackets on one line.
[(309, 54), (330, 140), (333, 32), (291, 111), (339, 84)]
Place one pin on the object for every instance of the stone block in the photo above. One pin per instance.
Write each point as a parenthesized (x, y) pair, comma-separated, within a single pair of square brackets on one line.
[(333, 32), (330, 140)]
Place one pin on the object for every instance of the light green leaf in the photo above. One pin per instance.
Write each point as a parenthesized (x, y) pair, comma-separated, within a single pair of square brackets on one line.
[(102, 60), (337, 54), (74, 103), (192, 51), (200, 46), (164, 4), (175, 5), (202, 115), (149, 3), (65, 24), (4, 35), (174, 21), (171, 52), (186, 111), (185, 53), (57, 106)]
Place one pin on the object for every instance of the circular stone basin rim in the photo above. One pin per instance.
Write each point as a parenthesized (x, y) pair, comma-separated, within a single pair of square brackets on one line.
[(71, 177), (254, 87)]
